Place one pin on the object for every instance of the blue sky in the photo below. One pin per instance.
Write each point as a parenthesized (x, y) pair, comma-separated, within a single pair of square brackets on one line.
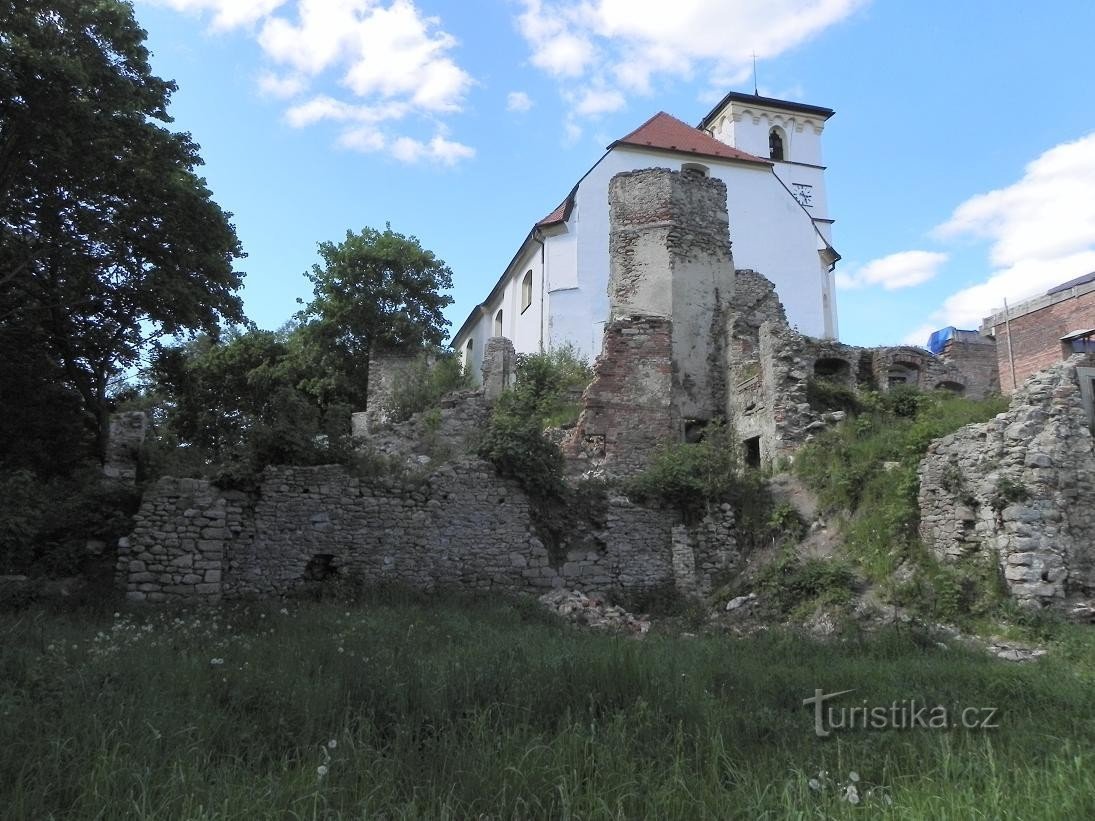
[(961, 157)]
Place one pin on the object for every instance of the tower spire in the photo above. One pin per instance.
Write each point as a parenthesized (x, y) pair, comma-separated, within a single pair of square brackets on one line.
[(756, 91)]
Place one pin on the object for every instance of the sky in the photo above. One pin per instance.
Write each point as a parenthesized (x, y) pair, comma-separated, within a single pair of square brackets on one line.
[(961, 159)]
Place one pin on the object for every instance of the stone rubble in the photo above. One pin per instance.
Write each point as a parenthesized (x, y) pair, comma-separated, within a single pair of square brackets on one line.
[(594, 612)]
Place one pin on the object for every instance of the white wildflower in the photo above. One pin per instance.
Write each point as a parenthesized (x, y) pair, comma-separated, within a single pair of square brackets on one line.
[(332, 744), (216, 662), (853, 776), (321, 770), (284, 611), (814, 784), (851, 794)]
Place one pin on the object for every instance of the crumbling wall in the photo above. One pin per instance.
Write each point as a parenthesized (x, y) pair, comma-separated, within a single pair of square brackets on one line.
[(974, 356), (499, 367), (460, 527), (387, 370), (123, 449), (662, 368), (1020, 490)]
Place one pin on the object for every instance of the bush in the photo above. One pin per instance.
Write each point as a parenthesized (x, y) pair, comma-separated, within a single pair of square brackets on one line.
[(514, 441), (824, 395), (790, 582)]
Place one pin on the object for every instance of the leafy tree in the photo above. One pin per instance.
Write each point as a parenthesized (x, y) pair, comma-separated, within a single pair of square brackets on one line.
[(376, 289), (108, 238)]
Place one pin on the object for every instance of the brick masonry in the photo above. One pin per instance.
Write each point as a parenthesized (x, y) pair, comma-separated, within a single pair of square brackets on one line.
[(1036, 334)]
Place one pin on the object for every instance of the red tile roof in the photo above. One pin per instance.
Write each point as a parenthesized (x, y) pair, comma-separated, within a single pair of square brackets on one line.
[(670, 134), (558, 215)]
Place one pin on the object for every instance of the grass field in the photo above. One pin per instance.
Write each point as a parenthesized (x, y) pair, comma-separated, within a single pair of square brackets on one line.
[(397, 707)]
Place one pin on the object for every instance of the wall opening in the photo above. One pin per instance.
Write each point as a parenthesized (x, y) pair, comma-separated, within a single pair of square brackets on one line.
[(467, 355), (320, 567), (776, 144), (526, 291), (695, 430), (903, 373), (695, 168), (832, 369), (953, 387), (751, 446), (498, 324)]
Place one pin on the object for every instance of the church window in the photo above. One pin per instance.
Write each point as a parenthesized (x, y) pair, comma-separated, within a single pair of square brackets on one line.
[(498, 323), (775, 144), (526, 292), (467, 355)]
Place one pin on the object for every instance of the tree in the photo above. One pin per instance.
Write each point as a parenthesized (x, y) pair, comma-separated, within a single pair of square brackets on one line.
[(374, 290), (108, 238)]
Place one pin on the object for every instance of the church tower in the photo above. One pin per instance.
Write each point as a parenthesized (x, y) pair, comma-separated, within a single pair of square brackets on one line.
[(789, 134)]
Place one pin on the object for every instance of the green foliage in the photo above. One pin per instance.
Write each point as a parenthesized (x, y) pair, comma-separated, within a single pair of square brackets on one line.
[(514, 440), (108, 237), (788, 522), (475, 708), (45, 524), (792, 583), (429, 379), (827, 395), (694, 476), (1008, 492), (375, 289), (867, 469), (953, 591)]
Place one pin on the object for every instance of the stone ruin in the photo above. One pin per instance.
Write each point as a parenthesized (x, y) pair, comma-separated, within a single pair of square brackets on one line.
[(1019, 490), (690, 340)]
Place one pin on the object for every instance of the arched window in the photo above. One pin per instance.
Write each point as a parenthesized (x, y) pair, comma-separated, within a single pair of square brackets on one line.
[(526, 291), (498, 323), (467, 355), (695, 168), (775, 144)]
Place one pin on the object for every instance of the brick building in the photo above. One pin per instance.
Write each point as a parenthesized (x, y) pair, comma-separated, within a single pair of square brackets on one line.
[(1034, 334)]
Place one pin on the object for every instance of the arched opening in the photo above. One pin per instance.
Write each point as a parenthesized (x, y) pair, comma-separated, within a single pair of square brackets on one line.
[(776, 144), (832, 369), (467, 355), (498, 323), (903, 373), (953, 387), (695, 168), (526, 291)]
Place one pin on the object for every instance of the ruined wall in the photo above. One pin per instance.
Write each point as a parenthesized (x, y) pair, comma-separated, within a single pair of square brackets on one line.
[(662, 368), (1020, 489), (975, 357), (123, 449), (499, 367), (460, 527), (387, 370)]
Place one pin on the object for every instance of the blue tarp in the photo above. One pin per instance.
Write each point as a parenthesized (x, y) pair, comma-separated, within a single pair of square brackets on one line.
[(939, 339)]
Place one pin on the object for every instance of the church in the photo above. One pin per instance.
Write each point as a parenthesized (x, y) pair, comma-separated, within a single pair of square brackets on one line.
[(766, 151)]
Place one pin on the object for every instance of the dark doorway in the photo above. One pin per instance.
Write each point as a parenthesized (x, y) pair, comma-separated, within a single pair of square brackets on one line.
[(752, 451)]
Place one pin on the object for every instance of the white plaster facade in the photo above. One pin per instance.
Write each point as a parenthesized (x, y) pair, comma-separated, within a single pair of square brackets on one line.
[(772, 231)]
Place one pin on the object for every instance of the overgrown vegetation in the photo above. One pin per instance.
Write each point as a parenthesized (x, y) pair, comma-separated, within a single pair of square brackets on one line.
[(830, 395), (473, 708), (431, 377), (792, 583), (692, 477), (866, 471), (514, 441)]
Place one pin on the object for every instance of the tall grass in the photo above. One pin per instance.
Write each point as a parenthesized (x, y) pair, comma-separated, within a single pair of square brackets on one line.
[(486, 708)]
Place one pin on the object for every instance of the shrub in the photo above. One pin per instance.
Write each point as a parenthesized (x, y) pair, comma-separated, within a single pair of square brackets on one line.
[(825, 395), (791, 582)]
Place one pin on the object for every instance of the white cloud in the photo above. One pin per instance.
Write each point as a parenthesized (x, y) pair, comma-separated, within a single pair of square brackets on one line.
[(227, 14), (624, 45), (391, 61), (594, 101), (901, 270), (283, 86), (1041, 230), (518, 101)]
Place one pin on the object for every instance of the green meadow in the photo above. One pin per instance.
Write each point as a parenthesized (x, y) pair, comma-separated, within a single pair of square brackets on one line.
[(396, 706)]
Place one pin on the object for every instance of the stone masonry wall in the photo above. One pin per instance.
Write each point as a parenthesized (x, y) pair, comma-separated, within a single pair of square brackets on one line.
[(975, 357), (1020, 490), (387, 369), (460, 527)]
